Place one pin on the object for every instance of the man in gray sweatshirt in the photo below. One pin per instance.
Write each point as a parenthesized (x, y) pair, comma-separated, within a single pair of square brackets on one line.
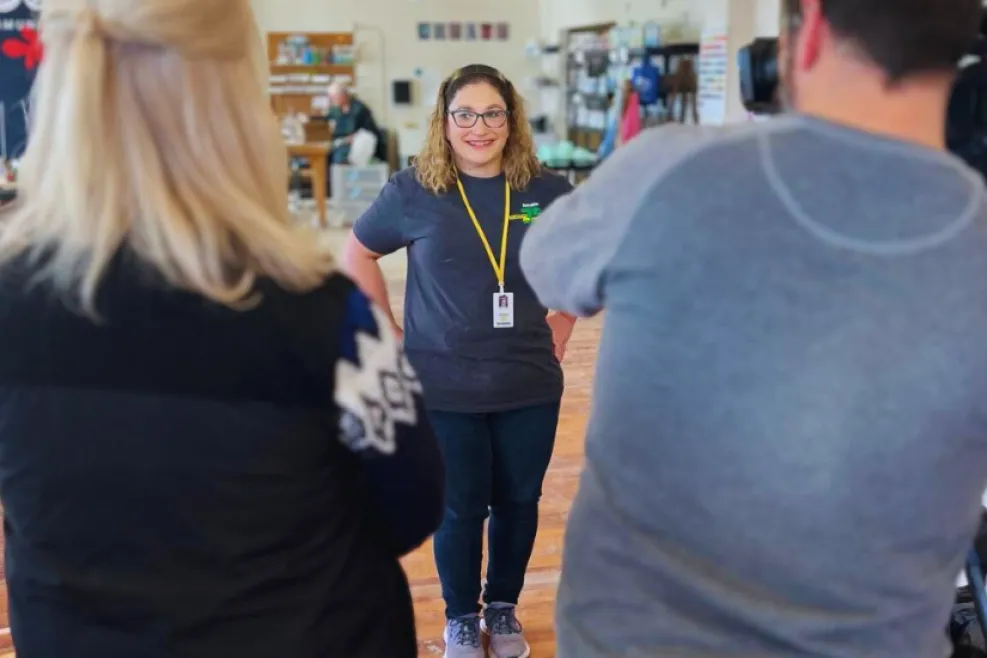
[(788, 440)]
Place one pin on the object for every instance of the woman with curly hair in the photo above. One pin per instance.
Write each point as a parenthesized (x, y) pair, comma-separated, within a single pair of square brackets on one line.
[(487, 352)]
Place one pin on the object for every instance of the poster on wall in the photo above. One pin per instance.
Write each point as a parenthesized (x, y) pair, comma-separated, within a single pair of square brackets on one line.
[(470, 30), (20, 55), (429, 84), (486, 31), (455, 31), (439, 31), (503, 31), (714, 60), (424, 31)]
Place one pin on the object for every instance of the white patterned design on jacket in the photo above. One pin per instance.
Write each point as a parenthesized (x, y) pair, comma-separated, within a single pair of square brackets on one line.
[(377, 393)]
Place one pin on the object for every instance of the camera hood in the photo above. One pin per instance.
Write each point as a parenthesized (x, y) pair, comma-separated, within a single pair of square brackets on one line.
[(757, 63)]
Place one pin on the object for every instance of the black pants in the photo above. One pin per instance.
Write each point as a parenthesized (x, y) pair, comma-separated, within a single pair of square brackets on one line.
[(495, 464)]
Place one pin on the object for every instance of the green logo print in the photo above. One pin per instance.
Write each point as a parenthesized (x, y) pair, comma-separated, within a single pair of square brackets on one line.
[(528, 212)]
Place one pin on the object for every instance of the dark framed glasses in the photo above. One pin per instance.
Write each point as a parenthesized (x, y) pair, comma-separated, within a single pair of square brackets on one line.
[(491, 118)]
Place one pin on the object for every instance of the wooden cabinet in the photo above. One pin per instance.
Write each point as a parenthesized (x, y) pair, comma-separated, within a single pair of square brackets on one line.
[(303, 64)]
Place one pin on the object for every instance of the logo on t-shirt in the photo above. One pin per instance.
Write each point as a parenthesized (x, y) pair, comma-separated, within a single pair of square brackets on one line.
[(528, 213)]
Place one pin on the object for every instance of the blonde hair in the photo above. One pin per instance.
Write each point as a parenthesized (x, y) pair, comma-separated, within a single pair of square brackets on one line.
[(150, 130), (435, 166)]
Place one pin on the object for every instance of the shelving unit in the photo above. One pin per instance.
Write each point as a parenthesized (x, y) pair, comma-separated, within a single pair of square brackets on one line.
[(354, 189), (587, 92), (303, 64), (593, 68)]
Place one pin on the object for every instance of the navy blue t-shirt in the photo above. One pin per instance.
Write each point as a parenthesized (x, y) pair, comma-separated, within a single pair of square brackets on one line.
[(464, 363)]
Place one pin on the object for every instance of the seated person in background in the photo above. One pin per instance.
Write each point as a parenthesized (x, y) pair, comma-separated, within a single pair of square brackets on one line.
[(347, 116), (788, 442), (197, 456)]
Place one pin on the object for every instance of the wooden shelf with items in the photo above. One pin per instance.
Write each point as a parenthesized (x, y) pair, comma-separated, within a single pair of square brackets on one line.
[(318, 69), (302, 65)]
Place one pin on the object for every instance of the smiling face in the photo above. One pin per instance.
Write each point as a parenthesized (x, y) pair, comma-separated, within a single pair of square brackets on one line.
[(477, 128)]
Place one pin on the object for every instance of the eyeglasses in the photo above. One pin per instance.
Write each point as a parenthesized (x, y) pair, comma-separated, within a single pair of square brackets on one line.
[(491, 118)]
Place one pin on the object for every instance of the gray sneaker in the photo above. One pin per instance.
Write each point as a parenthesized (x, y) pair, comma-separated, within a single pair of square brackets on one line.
[(462, 637), (505, 631)]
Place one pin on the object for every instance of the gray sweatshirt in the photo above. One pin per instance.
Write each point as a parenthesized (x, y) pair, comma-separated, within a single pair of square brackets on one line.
[(788, 439)]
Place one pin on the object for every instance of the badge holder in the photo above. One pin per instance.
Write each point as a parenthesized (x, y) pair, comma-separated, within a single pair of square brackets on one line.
[(503, 309)]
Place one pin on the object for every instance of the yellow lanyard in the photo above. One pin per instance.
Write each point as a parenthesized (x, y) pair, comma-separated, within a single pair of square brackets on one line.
[(497, 268)]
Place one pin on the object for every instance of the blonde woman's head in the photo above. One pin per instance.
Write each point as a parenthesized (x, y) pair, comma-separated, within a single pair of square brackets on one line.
[(150, 131), (478, 123)]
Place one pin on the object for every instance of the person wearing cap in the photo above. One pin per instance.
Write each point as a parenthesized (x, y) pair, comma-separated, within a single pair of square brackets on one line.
[(487, 352)]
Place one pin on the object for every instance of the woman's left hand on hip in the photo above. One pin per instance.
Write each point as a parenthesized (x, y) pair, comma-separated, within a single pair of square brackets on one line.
[(561, 325)]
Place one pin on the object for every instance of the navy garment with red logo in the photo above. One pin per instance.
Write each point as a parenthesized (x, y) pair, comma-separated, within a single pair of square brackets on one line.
[(20, 54)]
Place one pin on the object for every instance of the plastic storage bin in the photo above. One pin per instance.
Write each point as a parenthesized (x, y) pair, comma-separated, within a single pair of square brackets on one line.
[(355, 188)]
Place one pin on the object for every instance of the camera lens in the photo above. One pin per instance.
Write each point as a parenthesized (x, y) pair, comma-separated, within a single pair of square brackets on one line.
[(758, 65)]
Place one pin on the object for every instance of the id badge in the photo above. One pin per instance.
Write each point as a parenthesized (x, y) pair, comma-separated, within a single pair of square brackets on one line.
[(503, 310)]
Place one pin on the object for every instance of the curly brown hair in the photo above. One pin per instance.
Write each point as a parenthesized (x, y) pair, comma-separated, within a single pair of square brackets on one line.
[(435, 167)]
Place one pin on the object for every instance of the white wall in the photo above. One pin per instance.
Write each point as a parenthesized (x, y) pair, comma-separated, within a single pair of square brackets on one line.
[(388, 46), (768, 18), (681, 19)]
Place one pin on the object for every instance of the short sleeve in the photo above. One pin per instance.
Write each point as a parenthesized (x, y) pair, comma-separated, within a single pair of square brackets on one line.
[(381, 228)]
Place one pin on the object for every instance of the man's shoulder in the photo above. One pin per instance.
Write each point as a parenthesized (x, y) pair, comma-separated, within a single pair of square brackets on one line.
[(637, 168), (658, 150)]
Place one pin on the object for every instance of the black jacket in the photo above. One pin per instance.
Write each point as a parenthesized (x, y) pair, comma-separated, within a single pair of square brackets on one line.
[(176, 483)]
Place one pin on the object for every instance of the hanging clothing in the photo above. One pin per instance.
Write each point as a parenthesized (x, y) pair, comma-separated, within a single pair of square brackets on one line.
[(646, 79), (631, 124), (614, 117)]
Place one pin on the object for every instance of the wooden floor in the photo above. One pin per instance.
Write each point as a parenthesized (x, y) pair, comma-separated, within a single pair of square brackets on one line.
[(537, 601)]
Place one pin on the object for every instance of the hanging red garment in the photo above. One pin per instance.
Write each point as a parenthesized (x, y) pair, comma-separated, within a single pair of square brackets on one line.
[(631, 124)]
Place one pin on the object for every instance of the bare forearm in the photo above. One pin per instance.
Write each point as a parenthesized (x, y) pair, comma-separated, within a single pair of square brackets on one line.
[(567, 317), (366, 273)]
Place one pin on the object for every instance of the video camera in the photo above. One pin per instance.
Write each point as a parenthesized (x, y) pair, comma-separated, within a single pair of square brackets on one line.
[(966, 125)]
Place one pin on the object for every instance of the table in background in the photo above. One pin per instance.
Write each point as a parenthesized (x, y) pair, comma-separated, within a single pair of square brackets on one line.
[(317, 153)]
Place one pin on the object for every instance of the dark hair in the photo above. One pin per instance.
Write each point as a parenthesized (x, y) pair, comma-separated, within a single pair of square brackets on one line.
[(903, 37), (474, 73)]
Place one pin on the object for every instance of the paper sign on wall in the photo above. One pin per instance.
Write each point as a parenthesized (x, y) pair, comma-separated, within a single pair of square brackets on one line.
[(714, 60)]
